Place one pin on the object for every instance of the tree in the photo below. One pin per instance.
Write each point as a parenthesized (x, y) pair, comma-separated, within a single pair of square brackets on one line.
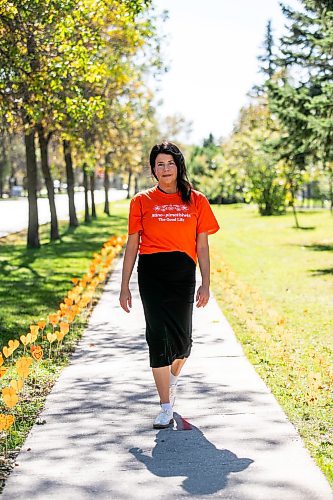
[(67, 148), (305, 84), (63, 61), (290, 106), (44, 140), (250, 150), (267, 60), (205, 165)]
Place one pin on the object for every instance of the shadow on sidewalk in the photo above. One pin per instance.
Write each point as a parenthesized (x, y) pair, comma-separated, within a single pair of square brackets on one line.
[(190, 454)]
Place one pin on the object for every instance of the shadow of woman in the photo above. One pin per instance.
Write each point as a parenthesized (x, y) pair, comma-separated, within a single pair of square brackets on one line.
[(190, 454)]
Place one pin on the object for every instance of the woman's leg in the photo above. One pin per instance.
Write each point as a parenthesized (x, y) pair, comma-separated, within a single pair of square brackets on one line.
[(177, 365), (162, 379)]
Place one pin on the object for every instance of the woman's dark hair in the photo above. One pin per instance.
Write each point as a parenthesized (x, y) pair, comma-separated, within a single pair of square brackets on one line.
[(168, 148)]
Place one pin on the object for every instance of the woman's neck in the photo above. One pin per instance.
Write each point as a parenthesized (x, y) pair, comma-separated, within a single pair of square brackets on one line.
[(168, 189)]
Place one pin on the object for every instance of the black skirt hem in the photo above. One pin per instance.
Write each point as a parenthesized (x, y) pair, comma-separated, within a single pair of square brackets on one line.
[(172, 359)]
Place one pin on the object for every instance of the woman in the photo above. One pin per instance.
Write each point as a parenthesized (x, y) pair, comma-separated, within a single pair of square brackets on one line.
[(169, 224)]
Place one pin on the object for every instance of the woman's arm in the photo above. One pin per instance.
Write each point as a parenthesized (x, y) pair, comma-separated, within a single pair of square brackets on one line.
[(203, 258), (131, 251)]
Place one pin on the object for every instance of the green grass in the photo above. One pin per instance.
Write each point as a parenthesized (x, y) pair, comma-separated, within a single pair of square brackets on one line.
[(275, 284), (33, 283)]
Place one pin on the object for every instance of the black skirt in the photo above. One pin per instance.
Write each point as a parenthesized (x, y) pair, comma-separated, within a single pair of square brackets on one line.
[(167, 285)]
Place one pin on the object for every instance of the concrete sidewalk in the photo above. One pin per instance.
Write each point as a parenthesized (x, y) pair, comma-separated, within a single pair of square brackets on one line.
[(230, 440)]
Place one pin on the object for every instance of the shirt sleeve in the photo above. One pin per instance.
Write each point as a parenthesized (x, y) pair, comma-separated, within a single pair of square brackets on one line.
[(135, 216), (207, 222)]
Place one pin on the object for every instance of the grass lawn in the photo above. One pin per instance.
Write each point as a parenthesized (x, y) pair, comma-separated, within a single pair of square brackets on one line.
[(275, 285)]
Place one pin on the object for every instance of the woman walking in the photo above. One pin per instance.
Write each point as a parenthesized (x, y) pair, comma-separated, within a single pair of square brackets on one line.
[(169, 225)]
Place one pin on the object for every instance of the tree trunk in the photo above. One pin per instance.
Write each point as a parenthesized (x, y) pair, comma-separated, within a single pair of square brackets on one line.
[(308, 193), (43, 145), (73, 221), (293, 207), (129, 183), (295, 215), (86, 189), (331, 191), (92, 191), (106, 189), (136, 185), (4, 163), (2, 175), (33, 226)]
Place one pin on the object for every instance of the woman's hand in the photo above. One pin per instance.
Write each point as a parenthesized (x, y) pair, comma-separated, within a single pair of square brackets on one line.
[(125, 299), (202, 297)]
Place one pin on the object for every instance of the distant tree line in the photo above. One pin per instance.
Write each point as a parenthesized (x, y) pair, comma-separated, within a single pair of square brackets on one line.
[(281, 147)]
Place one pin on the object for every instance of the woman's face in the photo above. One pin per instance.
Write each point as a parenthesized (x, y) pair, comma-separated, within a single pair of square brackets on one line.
[(165, 169)]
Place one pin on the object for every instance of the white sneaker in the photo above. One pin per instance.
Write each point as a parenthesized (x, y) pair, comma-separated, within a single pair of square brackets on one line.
[(172, 392), (163, 419)]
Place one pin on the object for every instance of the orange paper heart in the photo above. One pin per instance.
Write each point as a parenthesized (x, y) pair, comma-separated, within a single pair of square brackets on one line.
[(9, 396), (64, 327), (23, 366), (7, 352), (2, 421), (16, 384), (41, 324), (26, 339), (6, 421), (10, 419), (70, 316), (53, 319), (2, 371), (60, 336), (34, 337), (1, 360), (51, 337), (36, 352), (34, 329), (13, 344)]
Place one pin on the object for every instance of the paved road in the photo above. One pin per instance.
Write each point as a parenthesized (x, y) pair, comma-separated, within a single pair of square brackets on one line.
[(14, 213), (231, 438)]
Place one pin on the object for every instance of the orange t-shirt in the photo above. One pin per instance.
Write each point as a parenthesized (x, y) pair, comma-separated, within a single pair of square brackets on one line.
[(167, 224)]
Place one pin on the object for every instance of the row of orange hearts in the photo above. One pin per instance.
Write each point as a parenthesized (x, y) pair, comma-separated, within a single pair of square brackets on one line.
[(32, 337), (10, 394), (53, 319), (51, 336)]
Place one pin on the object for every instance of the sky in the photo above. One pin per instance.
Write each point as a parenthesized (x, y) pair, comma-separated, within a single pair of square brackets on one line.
[(211, 50)]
